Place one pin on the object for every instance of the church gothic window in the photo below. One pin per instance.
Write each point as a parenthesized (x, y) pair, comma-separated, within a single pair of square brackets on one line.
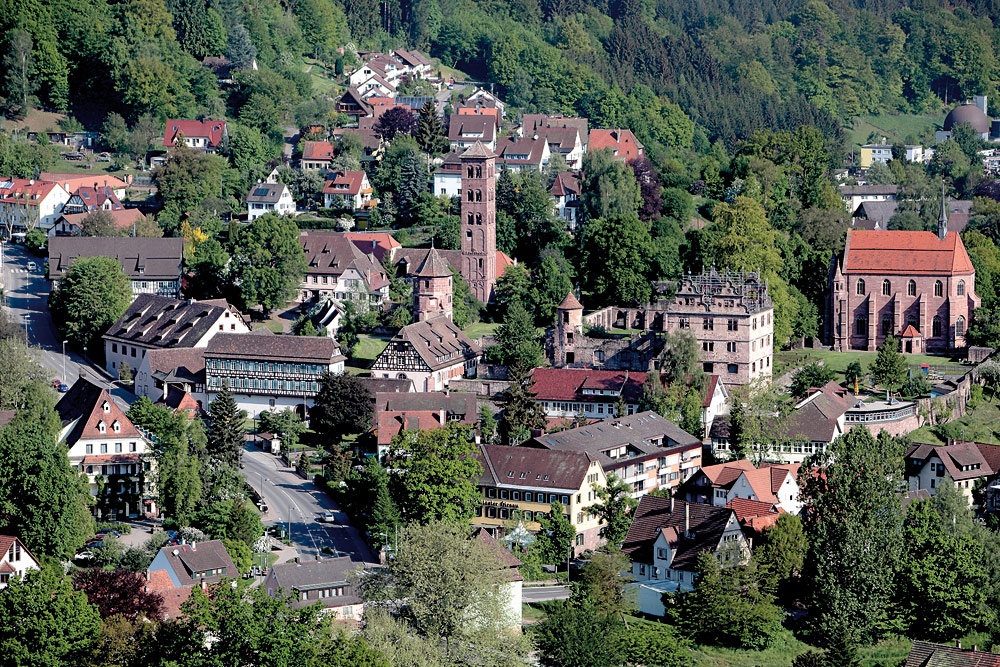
[(886, 288), (960, 327), (479, 171), (861, 287), (886, 325), (861, 325), (936, 327), (961, 288), (911, 288), (938, 288)]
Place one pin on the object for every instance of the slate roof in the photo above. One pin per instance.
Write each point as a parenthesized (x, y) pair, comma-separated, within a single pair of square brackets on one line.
[(159, 321), (437, 338), (541, 468), (387, 385), (957, 456), (188, 559), (465, 127), (925, 654), (185, 364), (567, 384), (877, 212), (82, 409), (333, 253), (870, 190), (816, 419), (303, 349), (214, 130), (639, 432), (653, 515), (266, 193), (141, 258), (314, 574), (455, 404), (905, 252), (532, 123)]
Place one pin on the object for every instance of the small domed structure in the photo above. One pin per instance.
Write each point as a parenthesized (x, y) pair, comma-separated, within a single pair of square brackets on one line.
[(967, 113)]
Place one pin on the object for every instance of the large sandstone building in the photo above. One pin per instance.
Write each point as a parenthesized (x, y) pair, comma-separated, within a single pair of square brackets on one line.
[(729, 313), (917, 286)]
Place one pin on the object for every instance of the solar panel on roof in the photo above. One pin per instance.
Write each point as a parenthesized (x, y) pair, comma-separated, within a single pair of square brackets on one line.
[(260, 192)]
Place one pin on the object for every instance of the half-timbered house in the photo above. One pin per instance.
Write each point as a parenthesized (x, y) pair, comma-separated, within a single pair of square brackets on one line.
[(431, 353)]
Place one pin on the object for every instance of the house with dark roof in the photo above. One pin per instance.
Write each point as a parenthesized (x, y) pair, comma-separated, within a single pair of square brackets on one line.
[(430, 353), (964, 463), (854, 196), (396, 412), (202, 135), (152, 265), (316, 155), (351, 103), (266, 198), (521, 484), (925, 654), (337, 267), (644, 450), (464, 130), (328, 581), (15, 559), (154, 322), (348, 189), (191, 564), (565, 193), (537, 123), (874, 214), (564, 141), (172, 370), (622, 144), (723, 483), (103, 444), (667, 535), (264, 371), (523, 153), (87, 199)]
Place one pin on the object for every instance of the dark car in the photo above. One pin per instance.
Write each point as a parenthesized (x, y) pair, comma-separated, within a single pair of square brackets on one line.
[(62, 387)]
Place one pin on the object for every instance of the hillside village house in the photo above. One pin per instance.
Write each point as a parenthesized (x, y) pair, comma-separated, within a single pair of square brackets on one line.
[(521, 483), (159, 323), (72, 182), (172, 375), (337, 267), (915, 285), (26, 203), (71, 224), (316, 155), (872, 153), (348, 189), (622, 144), (644, 450), (564, 393), (448, 176), (537, 123), (564, 141), (400, 411), (86, 199), (329, 581), (523, 153), (430, 353), (104, 445), (854, 196), (966, 464), (565, 193), (465, 130), (15, 559), (665, 539), (265, 371), (201, 135), (153, 265), (266, 198), (721, 484)]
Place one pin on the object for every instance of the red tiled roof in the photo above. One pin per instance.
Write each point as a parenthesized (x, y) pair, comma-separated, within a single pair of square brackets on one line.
[(570, 303), (567, 384), (345, 183), (179, 399), (71, 182), (122, 218), (6, 567), (566, 183), (910, 332), (925, 654), (713, 382), (724, 473), (213, 130), (746, 508), (159, 580), (392, 423), (317, 150), (905, 252), (621, 142), (24, 191), (376, 243), (511, 149), (173, 598)]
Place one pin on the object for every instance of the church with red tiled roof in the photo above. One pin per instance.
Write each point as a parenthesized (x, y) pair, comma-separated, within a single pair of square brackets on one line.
[(917, 286)]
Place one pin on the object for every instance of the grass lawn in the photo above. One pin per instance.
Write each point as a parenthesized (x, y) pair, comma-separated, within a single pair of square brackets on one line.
[(276, 326), (894, 127), (481, 329), (838, 361), (320, 75), (369, 347), (532, 612), (979, 425), (784, 650)]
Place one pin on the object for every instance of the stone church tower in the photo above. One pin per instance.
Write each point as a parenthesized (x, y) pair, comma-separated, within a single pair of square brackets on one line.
[(432, 290), (569, 331), (479, 221)]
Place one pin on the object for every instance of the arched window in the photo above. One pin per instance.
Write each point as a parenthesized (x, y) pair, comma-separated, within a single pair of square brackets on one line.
[(911, 288), (479, 195), (401, 376), (911, 320), (470, 218), (469, 171), (479, 171), (886, 325), (959, 327), (961, 288), (861, 287), (469, 195), (886, 288), (479, 218), (861, 325), (936, 327), (938, 288)]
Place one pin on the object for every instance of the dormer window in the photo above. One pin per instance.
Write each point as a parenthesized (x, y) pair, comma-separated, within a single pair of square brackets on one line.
[(116, 426), (106, 407), (102, 427)]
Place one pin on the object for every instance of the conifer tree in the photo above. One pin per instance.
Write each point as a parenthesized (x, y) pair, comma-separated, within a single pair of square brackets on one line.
[(889, 367), (430, 133), (520, 412), (227, 431)]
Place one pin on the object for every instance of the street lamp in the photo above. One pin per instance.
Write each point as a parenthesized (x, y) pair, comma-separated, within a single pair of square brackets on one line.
[(64, 361)]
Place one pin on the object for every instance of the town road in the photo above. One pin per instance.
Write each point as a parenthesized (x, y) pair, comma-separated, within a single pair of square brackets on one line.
[(27, 294), (295, 504), (543, 593)]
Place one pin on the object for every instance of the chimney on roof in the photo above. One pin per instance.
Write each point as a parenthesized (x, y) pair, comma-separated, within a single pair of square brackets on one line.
[(671, 504), (958, 643), (194, 545), (687, 520)]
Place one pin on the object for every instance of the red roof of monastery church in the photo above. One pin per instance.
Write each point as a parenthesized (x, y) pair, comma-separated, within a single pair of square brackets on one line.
[(905, 252)]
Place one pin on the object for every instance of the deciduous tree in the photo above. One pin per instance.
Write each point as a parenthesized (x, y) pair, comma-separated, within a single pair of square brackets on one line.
[(342, 406), (889, 367), (615, 509), (267, 261), (119, 592), (93, 294)]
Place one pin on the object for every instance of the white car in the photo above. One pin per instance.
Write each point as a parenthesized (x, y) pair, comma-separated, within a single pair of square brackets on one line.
[(327, 517), (32, 266)]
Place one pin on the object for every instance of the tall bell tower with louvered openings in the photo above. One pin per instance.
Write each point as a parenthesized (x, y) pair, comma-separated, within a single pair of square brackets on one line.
[(479, 221)]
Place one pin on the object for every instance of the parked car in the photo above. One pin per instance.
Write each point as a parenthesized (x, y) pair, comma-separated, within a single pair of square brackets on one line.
[(62, 387), (32, 266), (327, 517)]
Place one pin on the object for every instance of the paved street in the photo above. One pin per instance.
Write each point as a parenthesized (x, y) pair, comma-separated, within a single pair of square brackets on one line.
[(27, 295), (293, 499), (542, 593)]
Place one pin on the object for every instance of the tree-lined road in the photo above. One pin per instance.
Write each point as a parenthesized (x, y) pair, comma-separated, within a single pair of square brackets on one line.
[(298, 502)]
